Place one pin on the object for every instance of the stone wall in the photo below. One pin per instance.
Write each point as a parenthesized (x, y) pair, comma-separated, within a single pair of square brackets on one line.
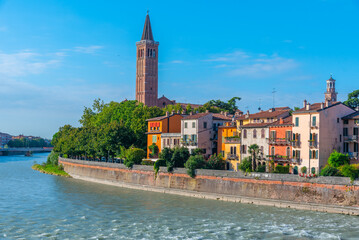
[(337, 191)]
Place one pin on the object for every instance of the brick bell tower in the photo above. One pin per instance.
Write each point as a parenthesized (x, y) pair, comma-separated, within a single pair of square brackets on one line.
[(147, 67)]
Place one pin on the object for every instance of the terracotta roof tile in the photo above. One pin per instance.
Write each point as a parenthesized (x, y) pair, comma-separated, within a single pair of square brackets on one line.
[(161, 117), (315, 107), (266, 114)]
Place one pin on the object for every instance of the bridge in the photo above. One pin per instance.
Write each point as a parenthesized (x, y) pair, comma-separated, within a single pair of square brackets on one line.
[(23, 151)]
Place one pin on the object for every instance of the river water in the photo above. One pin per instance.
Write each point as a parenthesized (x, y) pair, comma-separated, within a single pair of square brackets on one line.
[(39, 206)]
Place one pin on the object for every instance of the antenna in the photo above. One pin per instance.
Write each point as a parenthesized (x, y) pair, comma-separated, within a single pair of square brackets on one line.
[(274, 91), (260, 101)]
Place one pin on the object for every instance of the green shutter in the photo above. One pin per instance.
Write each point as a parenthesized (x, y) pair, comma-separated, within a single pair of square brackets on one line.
[(317, 154), (154, 138), (310, 154), (296, 121)]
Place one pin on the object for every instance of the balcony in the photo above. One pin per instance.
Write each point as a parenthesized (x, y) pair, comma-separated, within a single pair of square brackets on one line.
[(233, 140), (189, 143), (295, 143), (279, 158), (351, 138), (316, 126), (353, 155), (278, 141), (232, 157), (295, 160), (312, 144)]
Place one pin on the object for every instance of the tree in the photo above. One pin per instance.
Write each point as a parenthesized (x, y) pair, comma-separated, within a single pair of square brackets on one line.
[(153, 150), (337, 159), (254, 151), (193, 163), (134, 156), (353, 99), (216, 162), (246, 164), (329, 171)]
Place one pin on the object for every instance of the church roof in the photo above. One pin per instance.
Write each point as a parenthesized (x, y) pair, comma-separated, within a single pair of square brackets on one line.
[(147, 31)]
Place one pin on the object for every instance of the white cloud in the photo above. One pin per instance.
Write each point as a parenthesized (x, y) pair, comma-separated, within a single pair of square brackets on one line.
[(25, 62), (240, 63), (88, 50)]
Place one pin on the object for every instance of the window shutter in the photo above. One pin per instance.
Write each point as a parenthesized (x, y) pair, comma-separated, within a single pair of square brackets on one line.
[(317, 154), (310, 154)]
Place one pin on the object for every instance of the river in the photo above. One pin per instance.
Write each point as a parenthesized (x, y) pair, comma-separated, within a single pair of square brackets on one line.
[(39, 206)]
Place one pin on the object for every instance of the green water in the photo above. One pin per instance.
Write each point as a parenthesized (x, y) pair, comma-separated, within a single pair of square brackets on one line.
[(39, 206)]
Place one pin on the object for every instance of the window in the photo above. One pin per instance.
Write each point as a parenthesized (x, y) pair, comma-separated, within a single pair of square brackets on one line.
[(337, 120), (340, 138), (241, 122), (185, 137), (185, 125), (355, 131), (288, 151), (262, 149), (316, 154), (154, 53), (263, 133), (254, 133), (345, 132), (204, 124), (244, 148), (297, 121), (314, 121), (194, 125), (346, 147), (272, 151), (245, 133), (273, 134), (355, 147), (288, 135), (154, 138), (168, 142), (194, 138), (346, 122)]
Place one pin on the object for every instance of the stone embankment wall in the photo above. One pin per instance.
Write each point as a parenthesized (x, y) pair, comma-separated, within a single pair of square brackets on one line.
[(335, 191)]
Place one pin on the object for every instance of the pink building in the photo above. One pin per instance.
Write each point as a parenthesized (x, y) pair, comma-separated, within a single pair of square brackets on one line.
[(351, 136)]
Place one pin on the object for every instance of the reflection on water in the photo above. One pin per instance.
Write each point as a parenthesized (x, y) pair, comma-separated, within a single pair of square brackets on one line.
[(35, 205)]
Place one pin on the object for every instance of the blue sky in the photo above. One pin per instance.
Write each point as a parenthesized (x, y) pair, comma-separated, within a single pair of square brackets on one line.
[(58, 56)]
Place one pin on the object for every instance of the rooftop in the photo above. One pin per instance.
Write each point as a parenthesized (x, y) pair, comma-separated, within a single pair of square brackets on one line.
[(354, 115), (315, 107), (271, 113), (162, 117)]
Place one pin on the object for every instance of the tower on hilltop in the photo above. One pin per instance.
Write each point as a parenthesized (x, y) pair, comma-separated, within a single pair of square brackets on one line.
[(331, 94), (147, 67)]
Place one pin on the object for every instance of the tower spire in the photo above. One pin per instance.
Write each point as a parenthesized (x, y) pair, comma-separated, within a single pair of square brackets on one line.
[(147, 30)]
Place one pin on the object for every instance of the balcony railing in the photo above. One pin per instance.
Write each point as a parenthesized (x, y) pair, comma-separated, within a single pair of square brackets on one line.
[(313, 144), (314, 126), (232, 140), (232, 157), (189, 143), (278, 141), (295, 143), (351, 138), (279, 157), (295, 160), (353, 155)]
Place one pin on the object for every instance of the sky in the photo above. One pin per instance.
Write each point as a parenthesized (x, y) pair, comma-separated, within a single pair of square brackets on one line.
[(56, 57)]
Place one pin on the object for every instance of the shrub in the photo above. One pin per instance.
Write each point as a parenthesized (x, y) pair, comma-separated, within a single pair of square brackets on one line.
[(261, 168), (350, 171), (159, 163), (197, 151), (281, 169), (337, 159), (134, 156), (193, 163), (329, 170), (147, 162), (154, 150), (53, 158), (303, 169), (166, 154), (246, 165), (216, 162)]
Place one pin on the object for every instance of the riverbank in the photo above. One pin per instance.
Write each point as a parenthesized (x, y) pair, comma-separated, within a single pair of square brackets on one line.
[(50, 169), (324, 194)]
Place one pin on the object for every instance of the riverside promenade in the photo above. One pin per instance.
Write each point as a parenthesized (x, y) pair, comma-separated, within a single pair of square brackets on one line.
[(324, 194)]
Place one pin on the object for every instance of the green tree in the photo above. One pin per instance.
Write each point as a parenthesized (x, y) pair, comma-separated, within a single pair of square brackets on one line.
[(353, 99), (337, 159), (216, 162), (246, 164), (254, 151), (349, 171), (329, 170), (134, 156), (193, 163)]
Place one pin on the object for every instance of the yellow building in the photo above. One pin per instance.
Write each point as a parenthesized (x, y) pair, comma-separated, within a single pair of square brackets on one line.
[(229, 145)]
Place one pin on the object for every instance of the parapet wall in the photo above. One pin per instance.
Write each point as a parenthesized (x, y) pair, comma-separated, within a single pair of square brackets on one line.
[(337, 191)]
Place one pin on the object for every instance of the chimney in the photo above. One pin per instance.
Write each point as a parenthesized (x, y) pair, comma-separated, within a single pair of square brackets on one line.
[(167, 114), (281, 121), (271, 109), (247, 113), (226, 114), (191, 113), (321, 105), (327, 103), (305, 103), (307, 107), (207, 111)]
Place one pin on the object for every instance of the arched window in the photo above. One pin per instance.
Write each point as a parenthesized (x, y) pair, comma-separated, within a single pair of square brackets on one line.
[(254, 133), (263, 133), (295, 170), (288, 151), (245, 133), (154, 53)]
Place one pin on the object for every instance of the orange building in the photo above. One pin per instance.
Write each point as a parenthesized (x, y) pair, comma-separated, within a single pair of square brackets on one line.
[(280, 136), (163, 130)]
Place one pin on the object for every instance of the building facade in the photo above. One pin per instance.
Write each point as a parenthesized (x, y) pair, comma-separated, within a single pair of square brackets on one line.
[(229, 145), (351, 136), (162, 131)]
